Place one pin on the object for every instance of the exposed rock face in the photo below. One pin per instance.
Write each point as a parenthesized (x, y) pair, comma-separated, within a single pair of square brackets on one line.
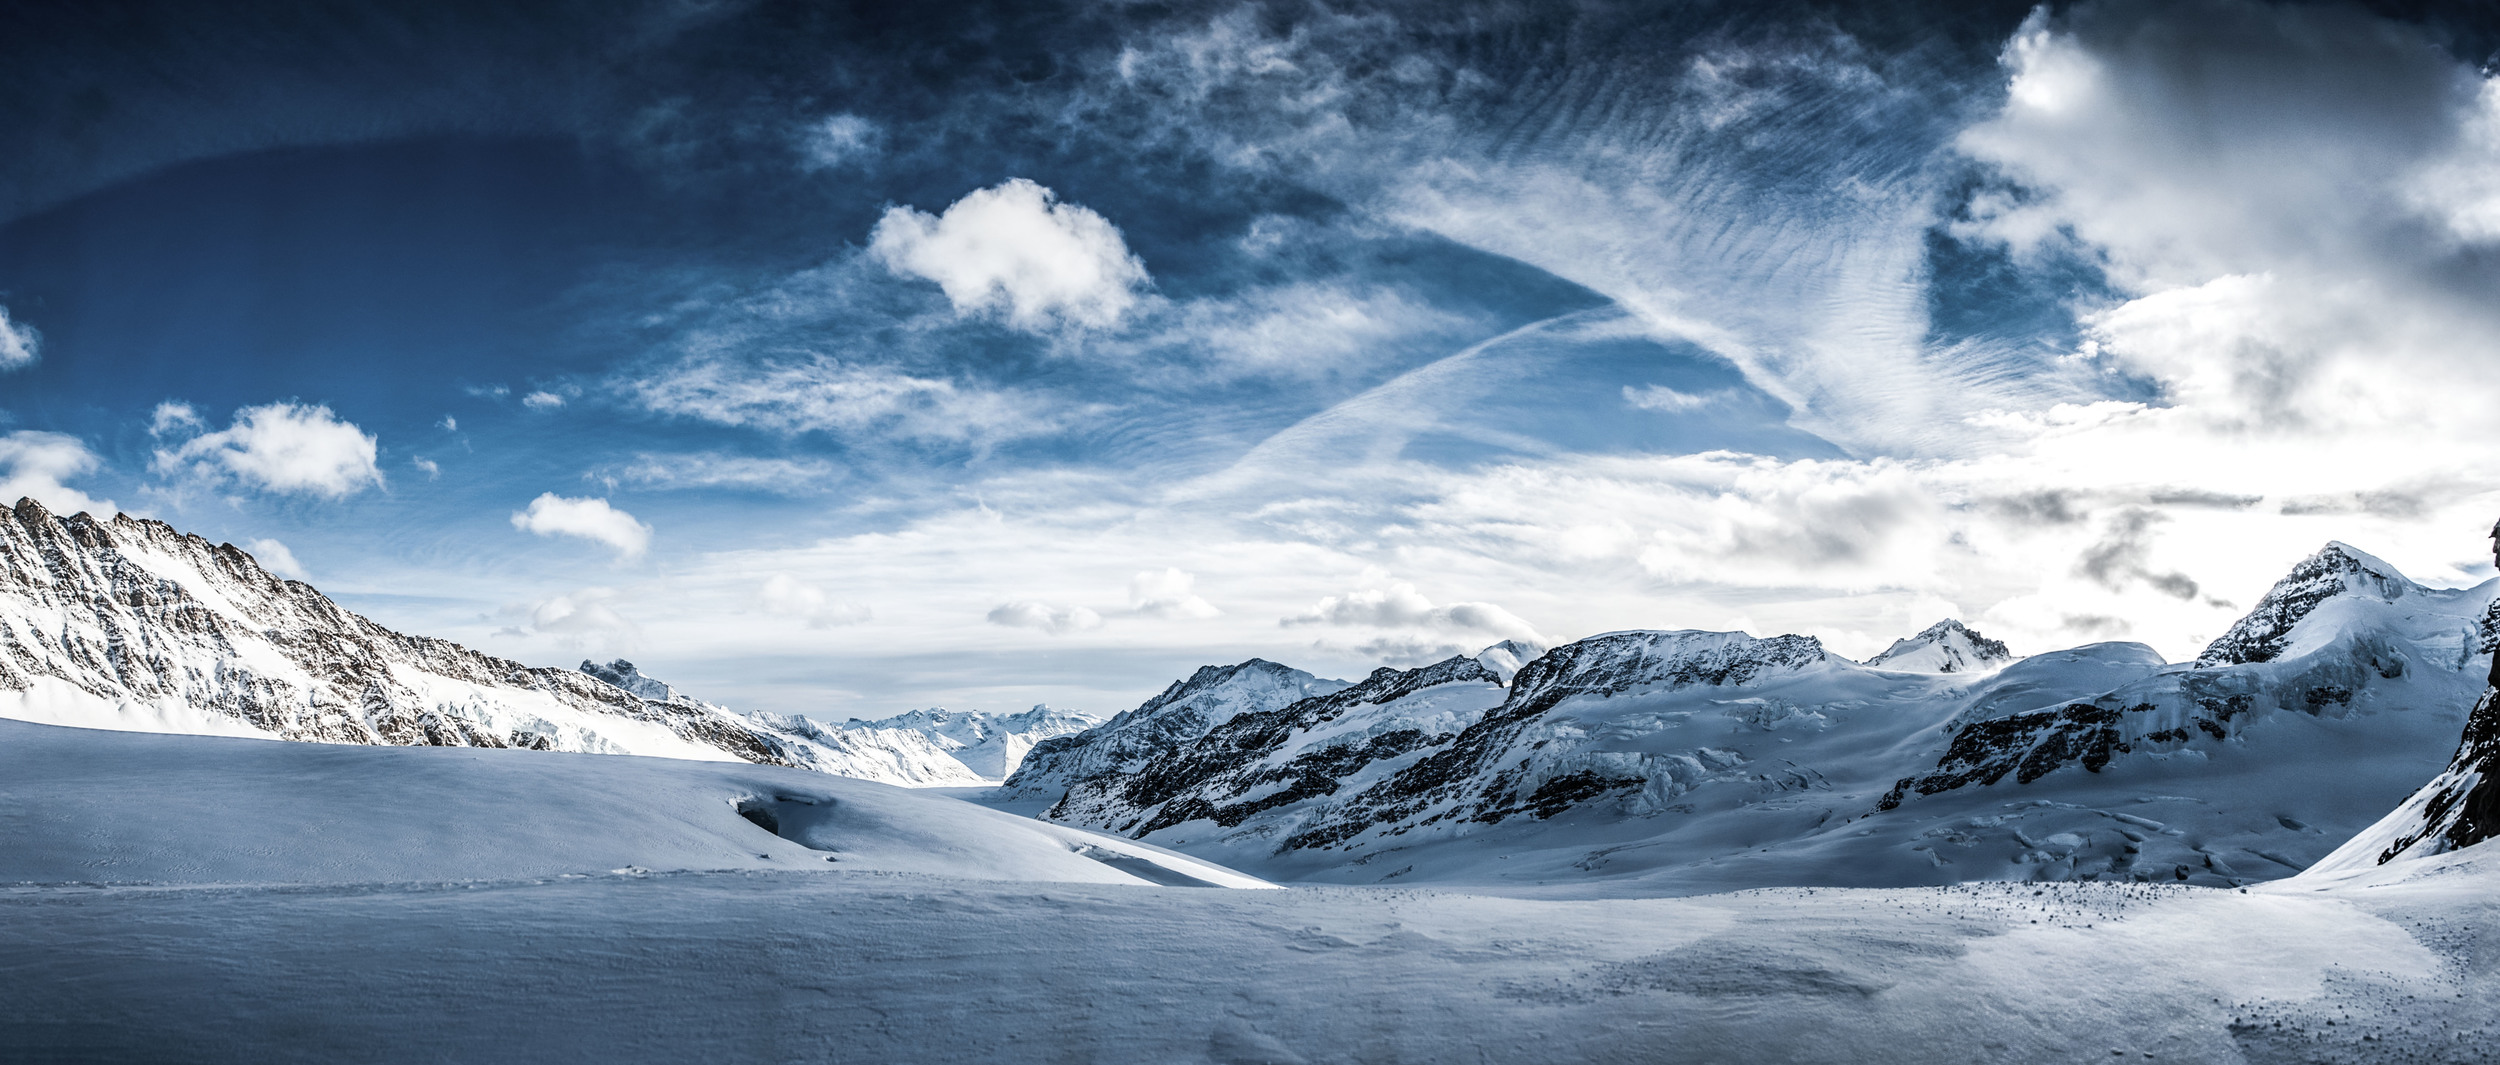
[(1264, 761), (126, 623), (2337, 569), (1160, 727), (1507, 764), (2462, 806), (623, 674), (1409, 748), (992, 746), (1947, 646), (2324, 633)]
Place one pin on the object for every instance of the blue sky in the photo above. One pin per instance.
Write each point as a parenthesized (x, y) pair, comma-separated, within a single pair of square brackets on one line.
[(826, 360)]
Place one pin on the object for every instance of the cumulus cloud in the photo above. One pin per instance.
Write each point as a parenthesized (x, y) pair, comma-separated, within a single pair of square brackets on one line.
[(1166, 593), (1051, 618), (20, 344), (35, 464), (1014, 250), (1399, 606), (429, 467), (174, 416), (278, 447), (590, 519), (274, 557), (785, 596), (542, 401)]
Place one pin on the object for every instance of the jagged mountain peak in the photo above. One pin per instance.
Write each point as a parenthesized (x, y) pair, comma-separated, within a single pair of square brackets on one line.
[(623, 674), (1947, 646), (1183, 712), (1504, 659), (2335, 570), (1619, 661)]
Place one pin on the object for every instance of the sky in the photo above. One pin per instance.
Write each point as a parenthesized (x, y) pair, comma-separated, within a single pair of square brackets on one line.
[(841, 360)]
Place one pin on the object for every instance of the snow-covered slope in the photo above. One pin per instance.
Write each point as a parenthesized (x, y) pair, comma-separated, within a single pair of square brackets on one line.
[(991, 746), (1947, 646), (1160, 726), (127, 624), (1693, 761), (84, 805), (234, 901)]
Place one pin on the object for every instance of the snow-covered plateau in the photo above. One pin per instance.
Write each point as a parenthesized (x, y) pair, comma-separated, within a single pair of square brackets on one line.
[(210, 899), (1651, 846)]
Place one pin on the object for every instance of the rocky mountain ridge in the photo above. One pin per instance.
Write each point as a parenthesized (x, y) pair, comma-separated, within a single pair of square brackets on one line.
[(1701, 753), (126, 623), (992, 746)]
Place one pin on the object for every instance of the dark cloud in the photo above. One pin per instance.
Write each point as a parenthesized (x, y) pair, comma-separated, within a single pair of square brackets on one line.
[(2098, 625), (2121, 557), (2191, 497)]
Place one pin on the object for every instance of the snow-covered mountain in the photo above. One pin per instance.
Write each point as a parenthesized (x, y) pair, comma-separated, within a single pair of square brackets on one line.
[(1947, 646), (1161, 726), (128, 624), (991, 746), (1694, 760)]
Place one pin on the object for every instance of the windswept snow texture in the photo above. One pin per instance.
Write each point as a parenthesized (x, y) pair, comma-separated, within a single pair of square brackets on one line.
[(991, 746), (128, 624), (85, 805), (219, 900), (1692, 761)]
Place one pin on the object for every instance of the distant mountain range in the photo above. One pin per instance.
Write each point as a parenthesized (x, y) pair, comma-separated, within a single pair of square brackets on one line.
[(1704, 760), (1680, 760)]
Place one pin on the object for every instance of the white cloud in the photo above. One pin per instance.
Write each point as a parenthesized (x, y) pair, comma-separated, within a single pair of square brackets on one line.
[(1055, 620), (542, 401), (821, 394), (429, 467), (1665, 400), (785, 596), (1012, 248), (449, 424), (581, 621), (35, 463), (1166, 593), (274, 557), (20, 344), (712, 469), (1399, 606), (278, 447), (174, 416), (590, 519), (838, 140)]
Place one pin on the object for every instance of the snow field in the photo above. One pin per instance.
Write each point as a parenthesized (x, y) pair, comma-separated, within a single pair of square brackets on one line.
[(224, 900)]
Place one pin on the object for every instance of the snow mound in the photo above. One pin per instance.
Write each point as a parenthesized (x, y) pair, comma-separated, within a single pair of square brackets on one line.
[(132, 807)]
